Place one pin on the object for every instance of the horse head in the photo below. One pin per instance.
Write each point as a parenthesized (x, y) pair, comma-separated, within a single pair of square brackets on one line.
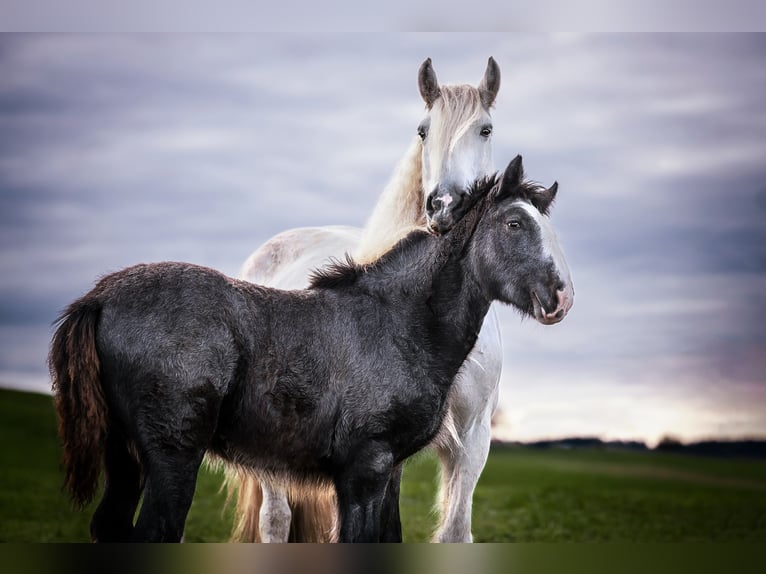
[(517, 254), (457, 141)]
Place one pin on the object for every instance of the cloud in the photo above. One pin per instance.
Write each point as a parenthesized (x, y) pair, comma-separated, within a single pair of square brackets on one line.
[(120, 149)]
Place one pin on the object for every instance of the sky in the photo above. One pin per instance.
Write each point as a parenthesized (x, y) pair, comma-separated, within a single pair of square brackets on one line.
[(119, 149)]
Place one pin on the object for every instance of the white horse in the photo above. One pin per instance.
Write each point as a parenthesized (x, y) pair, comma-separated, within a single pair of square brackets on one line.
[(451, 150)]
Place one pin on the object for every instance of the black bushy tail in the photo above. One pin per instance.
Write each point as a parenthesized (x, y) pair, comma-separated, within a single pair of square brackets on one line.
[(79, 399)]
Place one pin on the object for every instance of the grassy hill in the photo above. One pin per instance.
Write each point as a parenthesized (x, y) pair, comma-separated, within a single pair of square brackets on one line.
[(524, 495)]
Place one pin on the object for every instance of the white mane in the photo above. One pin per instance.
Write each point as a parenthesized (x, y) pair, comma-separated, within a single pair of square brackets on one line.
[(399, 209)]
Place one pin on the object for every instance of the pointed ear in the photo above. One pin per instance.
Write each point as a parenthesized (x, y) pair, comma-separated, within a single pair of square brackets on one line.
[(490, 83), (543, 199), (427, 83), (511, 179)]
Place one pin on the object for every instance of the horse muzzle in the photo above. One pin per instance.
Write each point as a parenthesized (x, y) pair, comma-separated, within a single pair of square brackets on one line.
[(440, 224), (564, 302), (443, 210)]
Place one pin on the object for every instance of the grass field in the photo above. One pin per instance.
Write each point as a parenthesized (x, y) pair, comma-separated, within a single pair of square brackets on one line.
[(524, 495)]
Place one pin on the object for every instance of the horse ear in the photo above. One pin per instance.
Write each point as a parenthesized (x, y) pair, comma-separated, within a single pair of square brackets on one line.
[(490, 83), (543, 199), (512, 178), (427, 83)]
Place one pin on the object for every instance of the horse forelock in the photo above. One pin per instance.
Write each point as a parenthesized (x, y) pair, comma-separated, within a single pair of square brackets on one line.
[(459, 107), (486, 192), (526, 191)]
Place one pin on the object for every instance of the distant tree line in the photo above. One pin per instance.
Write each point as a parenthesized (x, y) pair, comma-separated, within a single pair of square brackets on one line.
[(750, 448), (746, 448)]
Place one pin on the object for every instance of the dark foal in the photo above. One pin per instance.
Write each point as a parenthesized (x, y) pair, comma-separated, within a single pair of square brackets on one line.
[(162, 363)]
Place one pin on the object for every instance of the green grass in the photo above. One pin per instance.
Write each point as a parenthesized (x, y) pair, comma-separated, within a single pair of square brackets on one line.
[(524, 495)]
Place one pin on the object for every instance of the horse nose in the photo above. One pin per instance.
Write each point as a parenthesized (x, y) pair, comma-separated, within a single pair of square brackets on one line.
[(434, 203), (563, 305)]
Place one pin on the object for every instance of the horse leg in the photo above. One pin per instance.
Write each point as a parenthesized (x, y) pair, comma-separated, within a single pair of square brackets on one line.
[(171, 455), (391, 524), (463, 456), (461, 468), (171, 478), (360, 490), (113, 519), (274, 516)]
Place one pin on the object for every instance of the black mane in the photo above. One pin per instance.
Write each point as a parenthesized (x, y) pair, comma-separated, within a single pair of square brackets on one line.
[(344, 273), (489, 187), (339, 273)]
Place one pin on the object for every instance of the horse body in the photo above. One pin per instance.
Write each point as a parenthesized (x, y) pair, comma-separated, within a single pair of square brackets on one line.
[(452, 149), (162, 363), (277, 388)]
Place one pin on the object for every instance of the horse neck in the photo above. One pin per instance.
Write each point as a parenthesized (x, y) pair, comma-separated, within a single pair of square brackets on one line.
[(458, 301), (432, 280), (398, 211)]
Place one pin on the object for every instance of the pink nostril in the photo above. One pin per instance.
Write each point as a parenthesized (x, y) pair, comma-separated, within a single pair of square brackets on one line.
[(564, 302)]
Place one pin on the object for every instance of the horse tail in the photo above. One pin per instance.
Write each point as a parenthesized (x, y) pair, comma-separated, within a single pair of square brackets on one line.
[(79, 398), (246, 490), (314, 514), (314, 509)]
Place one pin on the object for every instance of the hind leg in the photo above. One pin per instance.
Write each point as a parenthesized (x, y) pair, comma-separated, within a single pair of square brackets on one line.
[(472, 403), (172, 444), (170, 482), (391, 524), (275, 515), (113, 519)]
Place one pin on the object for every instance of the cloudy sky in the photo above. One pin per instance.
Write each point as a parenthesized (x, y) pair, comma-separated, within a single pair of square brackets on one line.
[(118, 149)]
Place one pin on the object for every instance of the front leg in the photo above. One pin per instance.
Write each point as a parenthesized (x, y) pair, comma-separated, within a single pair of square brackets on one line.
[(361, 488)]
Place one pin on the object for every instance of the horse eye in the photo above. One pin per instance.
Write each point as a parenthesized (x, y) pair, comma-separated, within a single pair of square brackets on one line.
[(486, 131), (513, 224), (422, 133)]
